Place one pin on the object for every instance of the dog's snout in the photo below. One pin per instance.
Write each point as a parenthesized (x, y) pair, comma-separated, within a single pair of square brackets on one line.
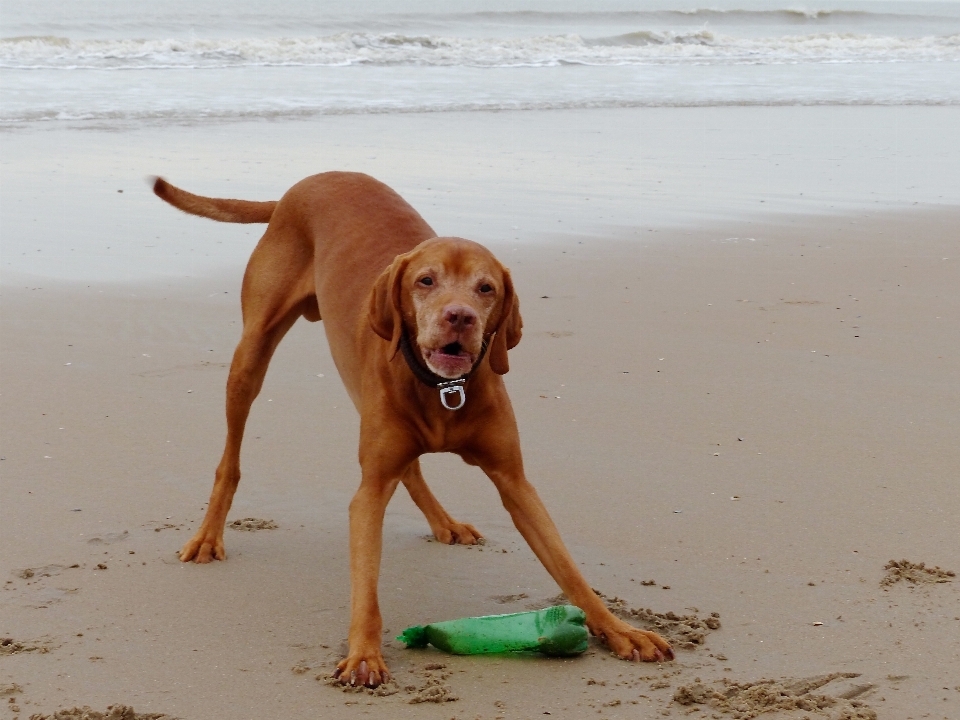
[(459, 317)]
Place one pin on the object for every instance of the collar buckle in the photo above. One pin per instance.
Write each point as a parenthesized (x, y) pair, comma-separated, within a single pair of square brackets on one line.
[(452, 387)]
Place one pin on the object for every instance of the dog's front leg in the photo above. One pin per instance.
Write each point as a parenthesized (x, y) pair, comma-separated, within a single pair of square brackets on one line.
[(530, 516), (364, 664)]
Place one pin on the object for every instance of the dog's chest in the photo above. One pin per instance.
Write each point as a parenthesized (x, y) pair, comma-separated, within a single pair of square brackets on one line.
[(441, 430)]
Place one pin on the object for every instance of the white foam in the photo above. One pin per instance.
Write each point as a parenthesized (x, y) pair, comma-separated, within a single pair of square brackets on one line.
[(346, 49)]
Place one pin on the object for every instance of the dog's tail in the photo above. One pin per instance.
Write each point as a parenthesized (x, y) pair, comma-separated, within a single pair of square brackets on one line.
[(231, 211)]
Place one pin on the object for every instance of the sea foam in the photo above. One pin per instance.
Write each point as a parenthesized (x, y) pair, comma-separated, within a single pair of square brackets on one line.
[(642, 47)]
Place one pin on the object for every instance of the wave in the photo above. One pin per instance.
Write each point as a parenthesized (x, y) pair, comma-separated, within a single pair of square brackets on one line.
[(781, 15), (138, 22), (195, 117), (386, 49)]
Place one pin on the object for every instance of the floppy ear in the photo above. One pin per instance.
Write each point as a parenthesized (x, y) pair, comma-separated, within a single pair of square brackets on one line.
[(508, 329), (384, 306)]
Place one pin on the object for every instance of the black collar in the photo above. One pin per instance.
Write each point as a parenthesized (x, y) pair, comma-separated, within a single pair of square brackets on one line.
[(432, 380)]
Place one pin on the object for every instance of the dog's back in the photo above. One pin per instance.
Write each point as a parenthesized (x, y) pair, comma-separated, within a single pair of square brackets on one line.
[(329, 237)]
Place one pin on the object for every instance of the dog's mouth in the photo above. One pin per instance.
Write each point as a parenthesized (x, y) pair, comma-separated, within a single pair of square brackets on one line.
[(449, 361)]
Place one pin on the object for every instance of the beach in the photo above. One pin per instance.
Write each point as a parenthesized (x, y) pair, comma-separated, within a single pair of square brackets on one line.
[(728, 408), (733, 234)]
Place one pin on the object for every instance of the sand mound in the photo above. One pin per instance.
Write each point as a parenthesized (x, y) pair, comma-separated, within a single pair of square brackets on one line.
[(914, 573), (431, 686), (683, 631), (384, 690), (749, 700), (434, 691), (38, 572), (252, 524), (9, 646), (507, 599), (434, 688), (113, 712)]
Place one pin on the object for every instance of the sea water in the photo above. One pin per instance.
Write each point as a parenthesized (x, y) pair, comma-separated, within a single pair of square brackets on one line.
[(210, 60)]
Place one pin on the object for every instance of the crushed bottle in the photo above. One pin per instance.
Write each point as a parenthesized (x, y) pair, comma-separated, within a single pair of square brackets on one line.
[(557, 630)]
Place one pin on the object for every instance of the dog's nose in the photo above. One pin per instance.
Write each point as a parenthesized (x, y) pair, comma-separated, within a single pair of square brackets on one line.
[(459, 317)]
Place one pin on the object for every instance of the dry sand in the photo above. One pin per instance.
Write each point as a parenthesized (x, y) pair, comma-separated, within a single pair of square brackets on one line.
[(744, 417)]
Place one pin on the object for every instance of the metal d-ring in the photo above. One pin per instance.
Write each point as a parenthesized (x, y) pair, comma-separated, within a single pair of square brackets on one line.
[(453, 387)]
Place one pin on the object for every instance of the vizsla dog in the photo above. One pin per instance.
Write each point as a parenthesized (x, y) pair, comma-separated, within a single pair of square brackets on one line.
[(419, 328)]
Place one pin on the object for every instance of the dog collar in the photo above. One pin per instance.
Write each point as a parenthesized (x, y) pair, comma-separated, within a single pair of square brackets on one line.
[(430, 379)]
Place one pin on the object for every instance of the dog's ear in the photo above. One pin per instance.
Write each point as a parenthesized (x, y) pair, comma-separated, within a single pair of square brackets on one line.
[(384, 312), (508, 330)]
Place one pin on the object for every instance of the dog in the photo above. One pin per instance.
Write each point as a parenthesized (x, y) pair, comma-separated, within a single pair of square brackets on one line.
[(419, 327)]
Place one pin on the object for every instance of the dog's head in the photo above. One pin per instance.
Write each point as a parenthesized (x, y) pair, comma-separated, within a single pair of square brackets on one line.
[(450, 294)]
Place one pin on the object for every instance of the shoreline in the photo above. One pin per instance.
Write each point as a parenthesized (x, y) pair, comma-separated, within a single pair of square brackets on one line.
[(80, 207)]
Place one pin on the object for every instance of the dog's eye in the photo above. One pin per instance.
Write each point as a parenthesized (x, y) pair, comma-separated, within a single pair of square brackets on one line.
[(426, 281), (485, 288)]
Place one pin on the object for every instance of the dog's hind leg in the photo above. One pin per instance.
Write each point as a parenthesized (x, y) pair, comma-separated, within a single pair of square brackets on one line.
[(277, 290), (445, 528)]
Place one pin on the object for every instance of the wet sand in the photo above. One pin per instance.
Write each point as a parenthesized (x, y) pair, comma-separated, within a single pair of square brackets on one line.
[(748, 417)]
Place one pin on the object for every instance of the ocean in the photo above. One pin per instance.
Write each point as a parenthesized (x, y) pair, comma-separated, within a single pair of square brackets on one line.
[(202, 61)]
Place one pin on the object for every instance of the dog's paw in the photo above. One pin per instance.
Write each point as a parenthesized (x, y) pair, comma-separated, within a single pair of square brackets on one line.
[(632, 643), (359, 669), (204, 547), (451, 532)]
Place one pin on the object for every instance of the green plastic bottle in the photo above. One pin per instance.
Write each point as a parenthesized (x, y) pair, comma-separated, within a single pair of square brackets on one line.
[(557, 630)]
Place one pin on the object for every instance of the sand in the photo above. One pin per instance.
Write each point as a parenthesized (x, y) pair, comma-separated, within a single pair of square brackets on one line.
[(113, 712), (914, 573), (746, 416), (750, 700)]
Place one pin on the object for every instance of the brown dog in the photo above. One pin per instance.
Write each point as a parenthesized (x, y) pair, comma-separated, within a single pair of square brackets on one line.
[(404, 312)]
